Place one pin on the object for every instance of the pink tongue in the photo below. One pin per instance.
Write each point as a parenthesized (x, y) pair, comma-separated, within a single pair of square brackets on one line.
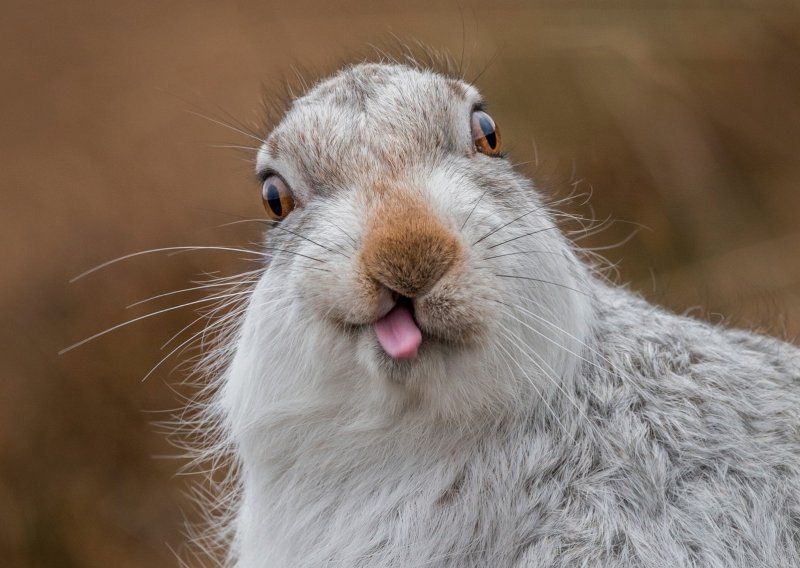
[(398, 334)]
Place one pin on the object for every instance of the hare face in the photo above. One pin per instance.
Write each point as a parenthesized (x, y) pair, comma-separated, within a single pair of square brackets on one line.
[(402, 238)]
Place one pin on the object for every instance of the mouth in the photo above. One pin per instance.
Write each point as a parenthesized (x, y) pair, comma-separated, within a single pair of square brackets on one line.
[(397, 331), (405, 330)]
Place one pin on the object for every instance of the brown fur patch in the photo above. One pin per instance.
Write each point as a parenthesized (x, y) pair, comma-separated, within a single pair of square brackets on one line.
[(406, 248)]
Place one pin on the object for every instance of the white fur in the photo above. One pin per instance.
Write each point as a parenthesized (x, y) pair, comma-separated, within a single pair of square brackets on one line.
[(570, 435)]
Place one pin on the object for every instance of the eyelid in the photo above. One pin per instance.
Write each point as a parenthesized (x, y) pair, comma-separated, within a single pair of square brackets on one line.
[(262, 175), (479, 105)]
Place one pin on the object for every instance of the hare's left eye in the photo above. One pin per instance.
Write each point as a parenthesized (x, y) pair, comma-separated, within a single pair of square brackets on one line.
[(485, 133), (277, 197)]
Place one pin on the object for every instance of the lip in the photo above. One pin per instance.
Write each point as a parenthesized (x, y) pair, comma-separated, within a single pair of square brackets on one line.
[(387, 300), (433, 339)]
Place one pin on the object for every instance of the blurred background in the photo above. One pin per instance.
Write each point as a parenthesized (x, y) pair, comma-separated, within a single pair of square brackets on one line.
[(682, 116)]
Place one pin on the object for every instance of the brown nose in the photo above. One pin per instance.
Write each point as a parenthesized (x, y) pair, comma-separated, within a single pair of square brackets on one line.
[(409, 253)]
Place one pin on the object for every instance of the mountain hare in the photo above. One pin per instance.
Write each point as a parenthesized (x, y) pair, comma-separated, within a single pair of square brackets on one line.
[(428, 374)]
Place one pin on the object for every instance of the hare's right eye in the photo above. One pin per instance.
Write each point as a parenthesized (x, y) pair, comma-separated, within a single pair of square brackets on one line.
[(485, 133), (277, 197)]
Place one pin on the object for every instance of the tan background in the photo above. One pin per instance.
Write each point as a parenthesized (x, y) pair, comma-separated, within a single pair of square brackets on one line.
[(683, 116)]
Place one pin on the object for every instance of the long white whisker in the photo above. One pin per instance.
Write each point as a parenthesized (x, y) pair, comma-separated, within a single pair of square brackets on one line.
[(568, 334), (202, 333), (542, 281), (183, 329), (195, 288), (162, 249), (513, 338), (293, 252), (310, 240), (523, 236), (522, 252), (503, 226), (134, 320), (220, 322), (233, 147), (206, 316), (509, 223), (240, 221), (548, 338), (539, 392), (226, 125)]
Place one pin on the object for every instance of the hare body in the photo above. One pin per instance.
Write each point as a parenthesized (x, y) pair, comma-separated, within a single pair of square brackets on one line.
[(547, 420)]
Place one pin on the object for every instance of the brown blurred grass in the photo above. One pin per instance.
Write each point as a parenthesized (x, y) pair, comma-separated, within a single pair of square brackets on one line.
[(681, 116)]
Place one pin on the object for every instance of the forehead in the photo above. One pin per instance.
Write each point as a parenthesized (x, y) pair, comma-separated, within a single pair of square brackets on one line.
[(368, 86), (370, 117)]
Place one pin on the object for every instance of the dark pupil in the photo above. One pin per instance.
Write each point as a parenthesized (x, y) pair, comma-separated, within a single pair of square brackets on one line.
[(274, 200), (488, 131)]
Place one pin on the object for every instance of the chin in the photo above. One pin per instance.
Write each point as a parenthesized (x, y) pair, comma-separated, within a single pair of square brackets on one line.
[(432, 352), (446, 381)]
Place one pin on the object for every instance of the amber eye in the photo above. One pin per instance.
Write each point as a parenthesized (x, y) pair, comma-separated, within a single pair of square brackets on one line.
[(485, 133), (277, 197)]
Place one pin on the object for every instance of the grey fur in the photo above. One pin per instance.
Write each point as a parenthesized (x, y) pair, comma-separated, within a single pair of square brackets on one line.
[(589, 428)]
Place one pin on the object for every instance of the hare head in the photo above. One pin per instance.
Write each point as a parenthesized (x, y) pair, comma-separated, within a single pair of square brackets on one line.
[(409, 264)]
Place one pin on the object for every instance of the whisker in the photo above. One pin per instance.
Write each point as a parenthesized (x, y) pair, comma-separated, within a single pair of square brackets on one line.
[(523, 236), (345, 233), (521, 252), (585, 232), (516, 341), (560, 330), (615, 245), (233, 147), (162, 249), (504, 225), (226, 125), (222, 321), (201, 333), (273, 249), (539, 392), (464, 224), (195, 288), (275, 225), (543, 335), (281, 228), (203, 316), (317, 268), (183, 329), (134, 320), (535, 209), (263, 248), (544, 282), (263, 221)]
